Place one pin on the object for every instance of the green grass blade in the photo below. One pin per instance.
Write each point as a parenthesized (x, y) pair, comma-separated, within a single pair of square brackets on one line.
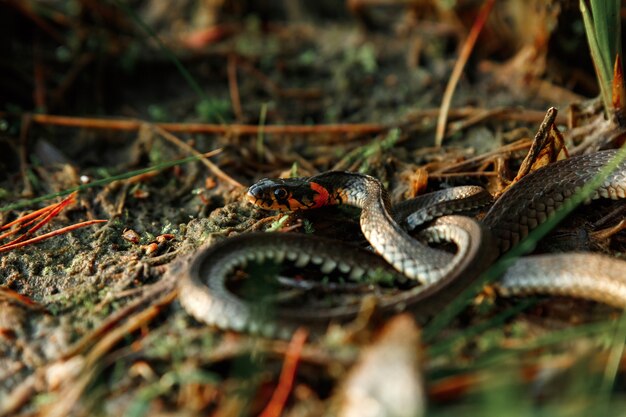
[(606, 21), (603, 28), (615, 356)]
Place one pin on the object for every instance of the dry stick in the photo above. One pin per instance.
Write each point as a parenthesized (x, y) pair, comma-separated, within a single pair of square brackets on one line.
[(93, 364), (152, 293), (464, 174), (252, 130), (277, 403), (8, 247), (507, 113), (235, 129), (233, 88), (212, 167), (468, 46), (540, 141), (475, 119), (516, 146)]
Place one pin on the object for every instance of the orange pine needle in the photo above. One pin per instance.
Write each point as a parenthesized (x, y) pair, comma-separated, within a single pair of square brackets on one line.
[(41, 214), (277, 403), (46, 218), (466, 50), (8, 247), (9, 294), (29, 216)]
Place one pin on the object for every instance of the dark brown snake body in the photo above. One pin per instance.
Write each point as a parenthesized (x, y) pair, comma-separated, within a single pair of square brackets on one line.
[(205, 294)]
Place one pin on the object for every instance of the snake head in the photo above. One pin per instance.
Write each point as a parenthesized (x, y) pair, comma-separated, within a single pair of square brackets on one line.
[(289, 194)]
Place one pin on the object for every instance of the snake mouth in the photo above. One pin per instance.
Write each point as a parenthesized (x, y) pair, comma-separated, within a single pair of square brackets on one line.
[(260, 199), (257, 196), (251, 197)]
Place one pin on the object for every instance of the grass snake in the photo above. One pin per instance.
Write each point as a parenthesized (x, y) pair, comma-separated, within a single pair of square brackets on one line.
[(433, 276)]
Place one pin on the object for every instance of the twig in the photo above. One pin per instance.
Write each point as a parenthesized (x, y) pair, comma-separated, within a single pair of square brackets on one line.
[(45, 236), (516, 146), (468, 46), (235, 129), (475, 119), (275, 407), (463, 174), (504, 113), (212, 167), (93, 364), (151, 294)]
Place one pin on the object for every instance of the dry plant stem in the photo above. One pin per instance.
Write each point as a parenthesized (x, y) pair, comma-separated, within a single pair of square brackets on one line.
[(45, 236), (233, 87), (604, 234), (212, 167), (153, 292), (9, 294), (475, 119), (539, 143), (235, 129), (351, 130), (513, 147), (464, 174), (259, 224), (20, 395), (502, 113), (103, 342), (468, 46), (92, 366), (277, 403)]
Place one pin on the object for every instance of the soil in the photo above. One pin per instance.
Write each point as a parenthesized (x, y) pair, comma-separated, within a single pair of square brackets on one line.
[(87, 326)]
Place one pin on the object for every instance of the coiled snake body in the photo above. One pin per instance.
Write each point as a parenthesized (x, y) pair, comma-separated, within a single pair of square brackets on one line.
[(204, 292)]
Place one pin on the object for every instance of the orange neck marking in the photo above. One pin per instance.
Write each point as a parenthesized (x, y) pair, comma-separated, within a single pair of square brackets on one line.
[(322, 198)]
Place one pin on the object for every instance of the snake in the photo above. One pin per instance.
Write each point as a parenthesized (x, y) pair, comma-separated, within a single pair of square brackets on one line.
[(430, 277)]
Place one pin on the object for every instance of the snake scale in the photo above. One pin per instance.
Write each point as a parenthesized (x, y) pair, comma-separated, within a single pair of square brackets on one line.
[(441, 275)]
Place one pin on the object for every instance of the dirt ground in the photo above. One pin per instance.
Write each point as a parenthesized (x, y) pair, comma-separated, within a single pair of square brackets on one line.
[(88, 323)]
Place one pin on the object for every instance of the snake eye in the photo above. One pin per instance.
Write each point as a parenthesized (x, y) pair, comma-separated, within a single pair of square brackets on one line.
[(280, 193)]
